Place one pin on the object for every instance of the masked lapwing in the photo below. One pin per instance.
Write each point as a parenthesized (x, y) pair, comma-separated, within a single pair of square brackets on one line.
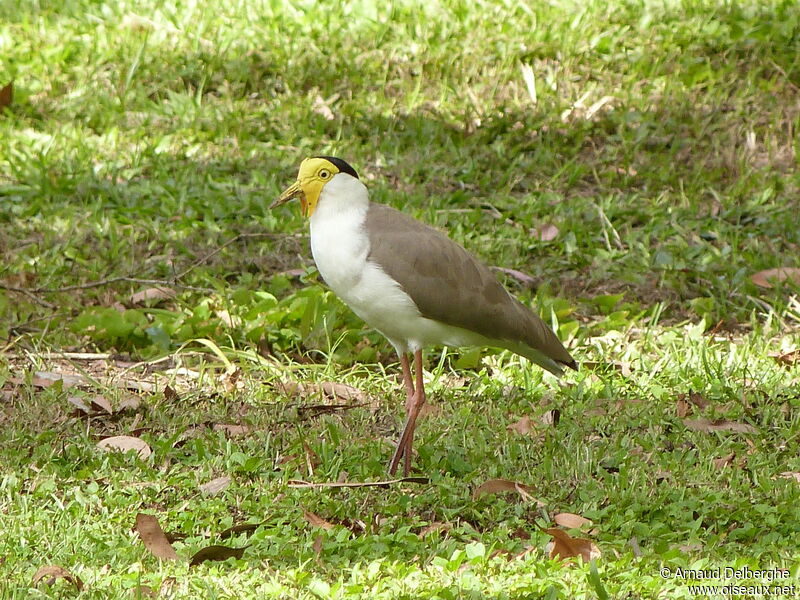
[(410, 282)]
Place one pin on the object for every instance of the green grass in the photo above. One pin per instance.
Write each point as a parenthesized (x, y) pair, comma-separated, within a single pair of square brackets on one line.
[(145, 137)]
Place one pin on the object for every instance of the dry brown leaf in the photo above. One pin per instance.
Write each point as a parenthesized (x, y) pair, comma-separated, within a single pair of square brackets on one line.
[(342, 391), (708, 425), (545, 232), (725, 461), (317, 545), (232, 380), (551, 418), (45, 379), (154, 293), (170, 395), (215, 486), (791, 475), (241, 528), (565, 547), (130, 402), (101, 402), (328, 389), (153, 537), (787, 359), (683, 408), (525, 426), (6, 95), (571, 520), (80, 405), (316, 520), (523, 278), (498, 486), (232, 430), (769, 277), (125, 443), (694, 398), (435, 526), (215, 552), (51, 573), (144, 591)]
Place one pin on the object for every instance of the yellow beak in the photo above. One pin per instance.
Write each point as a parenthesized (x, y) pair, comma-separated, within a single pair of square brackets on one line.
[(293, 191)]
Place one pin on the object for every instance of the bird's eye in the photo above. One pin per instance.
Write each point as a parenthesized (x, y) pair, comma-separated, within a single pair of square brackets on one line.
[(324, 174)]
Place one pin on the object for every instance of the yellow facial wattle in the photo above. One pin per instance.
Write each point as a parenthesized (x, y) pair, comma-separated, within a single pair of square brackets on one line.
[(314, 173)]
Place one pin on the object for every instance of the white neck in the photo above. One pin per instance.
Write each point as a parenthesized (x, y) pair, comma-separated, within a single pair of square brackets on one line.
[(341, 197)]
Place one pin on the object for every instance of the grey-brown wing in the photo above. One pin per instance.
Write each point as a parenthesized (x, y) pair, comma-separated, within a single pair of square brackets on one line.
[(448, 284)]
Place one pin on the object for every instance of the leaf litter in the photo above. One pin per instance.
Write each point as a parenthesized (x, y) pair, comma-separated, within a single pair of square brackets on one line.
[(153, 537), (52, 573), (126, 443)]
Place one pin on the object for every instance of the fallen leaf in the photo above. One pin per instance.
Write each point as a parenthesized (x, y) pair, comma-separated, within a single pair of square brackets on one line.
[(708, 425), (216, 553), (433, 527), (45, 379), (7, 95), (637, 551), (328, 389), (498, 486), (232, 380), (153, 293), (232, 430), (565, 547), (342, 391), (523, 278), (725, 461), (215, 486), (241, 528), (525, 426), (317, 545), (787, 359), (80, 405), (551, 418), (695, 399), (791, 475), (51, 573), (101, 402), (769, 277), (125, 443), (170, 395), (153, 537), (144, 591), (571, 520), (297, 483), (545, 232), (130, 402), (316, 520), (683, 408)]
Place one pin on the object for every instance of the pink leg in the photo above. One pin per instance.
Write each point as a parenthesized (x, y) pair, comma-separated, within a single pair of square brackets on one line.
[(408, 381), (404, 444)]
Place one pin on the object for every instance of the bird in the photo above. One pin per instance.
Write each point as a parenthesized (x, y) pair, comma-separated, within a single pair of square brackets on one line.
[(411, 282)]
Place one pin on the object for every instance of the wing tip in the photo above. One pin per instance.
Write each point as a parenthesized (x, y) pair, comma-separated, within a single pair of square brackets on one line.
[(572, 364)]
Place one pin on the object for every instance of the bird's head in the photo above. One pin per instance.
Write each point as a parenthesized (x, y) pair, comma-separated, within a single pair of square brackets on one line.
[(314, 174)]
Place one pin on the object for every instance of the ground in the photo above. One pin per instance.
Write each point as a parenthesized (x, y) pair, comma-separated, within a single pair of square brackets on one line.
[(631, 170)]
